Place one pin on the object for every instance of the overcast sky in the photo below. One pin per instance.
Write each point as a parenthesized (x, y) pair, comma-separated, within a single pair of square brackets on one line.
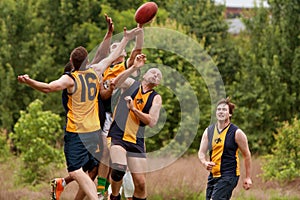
[(240, 3)]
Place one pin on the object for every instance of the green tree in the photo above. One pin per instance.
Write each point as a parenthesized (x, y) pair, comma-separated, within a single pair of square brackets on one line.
[(265, 85), (37, 138), (25, 47)]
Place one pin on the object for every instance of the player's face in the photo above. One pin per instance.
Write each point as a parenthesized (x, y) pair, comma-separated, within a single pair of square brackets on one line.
[(153, 76), (222, 112)]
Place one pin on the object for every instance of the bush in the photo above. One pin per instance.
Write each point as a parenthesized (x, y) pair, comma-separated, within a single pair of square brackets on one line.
[(37, 139), (284, 162)]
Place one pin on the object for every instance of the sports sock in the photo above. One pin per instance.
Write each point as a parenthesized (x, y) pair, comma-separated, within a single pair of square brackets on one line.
[(106, 186), (64, 183), (101, 185)]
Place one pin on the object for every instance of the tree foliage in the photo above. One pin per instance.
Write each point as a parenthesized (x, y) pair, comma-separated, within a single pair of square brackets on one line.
[(265, 85)]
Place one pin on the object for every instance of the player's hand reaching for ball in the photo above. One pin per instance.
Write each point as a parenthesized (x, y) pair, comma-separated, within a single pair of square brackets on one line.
[(110, 24), (129, 35)]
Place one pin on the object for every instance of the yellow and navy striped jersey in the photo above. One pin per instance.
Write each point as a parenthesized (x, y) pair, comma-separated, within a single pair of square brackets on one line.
[(223, 151), (126, 125), (82, 105)]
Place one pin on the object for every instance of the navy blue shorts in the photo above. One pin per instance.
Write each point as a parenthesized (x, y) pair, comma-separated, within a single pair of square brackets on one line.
[(221, 188), (82, 150), (133, 150)]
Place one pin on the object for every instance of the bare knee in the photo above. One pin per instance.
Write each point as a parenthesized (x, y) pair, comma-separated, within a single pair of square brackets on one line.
[(75, 174), (140, 185)]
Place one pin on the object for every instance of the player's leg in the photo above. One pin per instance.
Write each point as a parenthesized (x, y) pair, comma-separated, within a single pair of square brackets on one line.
[(138, 167), (104, 168), (92, 174), (85, 183), (224, 186), (83, 154), (118, 167)]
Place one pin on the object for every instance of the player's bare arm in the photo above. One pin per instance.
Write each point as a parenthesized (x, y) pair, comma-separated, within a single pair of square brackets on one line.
[(60, 84), (103, 64), (103, 49), (122, 77), (202, 152), (241, 140), (139, 42)]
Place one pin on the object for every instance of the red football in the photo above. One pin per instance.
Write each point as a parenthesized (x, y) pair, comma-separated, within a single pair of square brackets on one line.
[(145, 13)]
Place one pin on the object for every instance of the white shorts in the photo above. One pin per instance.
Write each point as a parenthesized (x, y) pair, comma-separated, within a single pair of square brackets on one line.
[(107, 123)]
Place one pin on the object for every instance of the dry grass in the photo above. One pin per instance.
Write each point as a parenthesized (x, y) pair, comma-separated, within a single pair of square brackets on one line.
[(187, 173), (182, 178)]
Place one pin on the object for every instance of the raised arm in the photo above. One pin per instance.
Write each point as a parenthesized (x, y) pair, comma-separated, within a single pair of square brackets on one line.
[(241, 140), (138, 63), (139, 42), (103, 64), (103, 49)]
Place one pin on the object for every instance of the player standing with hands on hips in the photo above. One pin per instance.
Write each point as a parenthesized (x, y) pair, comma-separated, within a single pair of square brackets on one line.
[(223, 140)]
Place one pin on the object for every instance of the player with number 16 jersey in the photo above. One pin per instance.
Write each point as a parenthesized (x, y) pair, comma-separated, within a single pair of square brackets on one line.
[(82, 113)]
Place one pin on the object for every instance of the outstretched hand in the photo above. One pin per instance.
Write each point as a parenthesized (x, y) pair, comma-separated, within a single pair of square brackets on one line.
[(110, 24), (129, 35)]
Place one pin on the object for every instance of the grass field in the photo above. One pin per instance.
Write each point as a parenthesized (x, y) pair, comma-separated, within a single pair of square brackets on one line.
[(184, 179)]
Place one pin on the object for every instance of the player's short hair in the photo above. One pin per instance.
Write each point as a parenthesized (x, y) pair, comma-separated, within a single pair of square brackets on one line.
[(79, 57)]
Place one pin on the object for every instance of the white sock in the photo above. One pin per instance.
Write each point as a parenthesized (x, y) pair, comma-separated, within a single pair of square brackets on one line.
[(64, 183)]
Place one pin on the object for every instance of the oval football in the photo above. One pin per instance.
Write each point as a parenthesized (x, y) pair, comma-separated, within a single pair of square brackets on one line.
[(146, 12)]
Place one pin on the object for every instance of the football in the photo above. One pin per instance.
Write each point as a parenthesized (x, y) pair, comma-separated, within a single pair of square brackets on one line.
[(146, 12)]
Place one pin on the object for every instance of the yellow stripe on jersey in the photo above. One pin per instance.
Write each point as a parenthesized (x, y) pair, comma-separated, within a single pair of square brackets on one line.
[(217, 150), (238, 163), (82, 104), (133, 123)]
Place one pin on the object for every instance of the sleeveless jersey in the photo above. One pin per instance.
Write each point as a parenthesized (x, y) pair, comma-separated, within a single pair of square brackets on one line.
[(82, 105), (114, 70), (223, 151), (126, 125)]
